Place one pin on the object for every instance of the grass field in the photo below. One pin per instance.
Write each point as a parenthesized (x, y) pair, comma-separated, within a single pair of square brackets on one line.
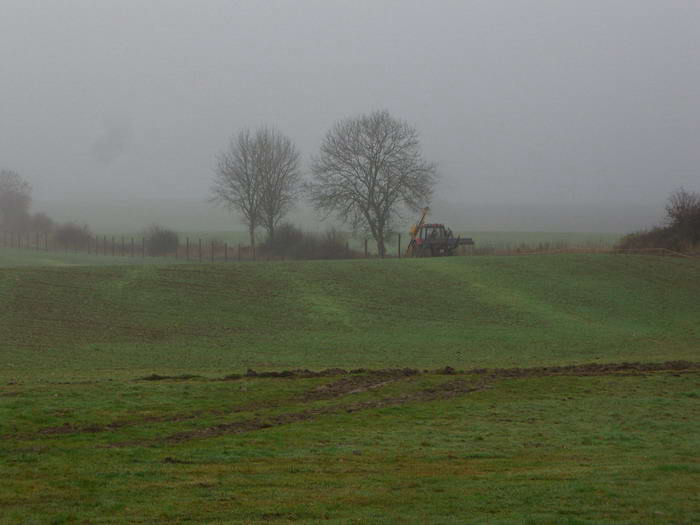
[(14, 257), (91, 435)]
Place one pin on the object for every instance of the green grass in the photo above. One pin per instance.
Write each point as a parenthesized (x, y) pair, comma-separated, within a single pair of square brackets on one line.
[(83, 440), (539, 450), (14, 257), (465, 312)]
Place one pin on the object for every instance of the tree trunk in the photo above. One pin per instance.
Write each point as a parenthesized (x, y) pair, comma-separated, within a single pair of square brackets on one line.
[(381, 249), (251, 231)]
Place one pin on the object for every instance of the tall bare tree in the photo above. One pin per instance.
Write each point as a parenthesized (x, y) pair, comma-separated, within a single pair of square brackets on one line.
[(15, 198), (237, 185), (369, 169), (258, 176), (280, 177)]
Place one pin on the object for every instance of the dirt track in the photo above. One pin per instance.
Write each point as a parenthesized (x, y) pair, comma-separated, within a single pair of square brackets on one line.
[(354, 382)]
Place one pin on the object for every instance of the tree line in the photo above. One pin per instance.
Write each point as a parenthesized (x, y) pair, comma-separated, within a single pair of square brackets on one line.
[(679, 231), (368, 170)]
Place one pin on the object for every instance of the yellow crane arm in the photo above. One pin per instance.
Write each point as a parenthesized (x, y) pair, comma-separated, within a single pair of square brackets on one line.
[(415, 229)]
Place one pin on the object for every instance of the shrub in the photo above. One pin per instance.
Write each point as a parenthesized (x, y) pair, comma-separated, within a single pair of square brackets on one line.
[(42, 223), (72, 235), (160, 241), (332, 245), (681, 231), (294, 243)]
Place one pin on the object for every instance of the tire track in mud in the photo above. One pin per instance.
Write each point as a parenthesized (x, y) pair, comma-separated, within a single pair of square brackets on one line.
[(348, 383), (447, 390), (444, 391), (340, 388)]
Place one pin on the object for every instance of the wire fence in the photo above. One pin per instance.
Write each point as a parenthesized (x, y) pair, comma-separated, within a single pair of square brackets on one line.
[(192, 249), (196, 250)]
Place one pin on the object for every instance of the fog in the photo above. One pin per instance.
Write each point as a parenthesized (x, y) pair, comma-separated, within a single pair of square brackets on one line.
[(568, 116)]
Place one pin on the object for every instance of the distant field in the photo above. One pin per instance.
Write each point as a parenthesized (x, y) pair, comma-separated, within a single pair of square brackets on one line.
[(13, 257), (459, 311), (124, 396)]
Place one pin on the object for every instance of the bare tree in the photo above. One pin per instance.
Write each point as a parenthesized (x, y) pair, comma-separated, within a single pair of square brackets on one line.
[(683, 214), (15, 198), (237, 185), (258, 176), (370, 168), (278, 168)]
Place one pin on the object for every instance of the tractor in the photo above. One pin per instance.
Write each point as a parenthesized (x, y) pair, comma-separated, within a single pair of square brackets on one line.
[(433, 239)]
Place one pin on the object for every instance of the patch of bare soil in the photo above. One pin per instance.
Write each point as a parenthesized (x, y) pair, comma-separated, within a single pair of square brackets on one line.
[(354, 384), (589, 369)]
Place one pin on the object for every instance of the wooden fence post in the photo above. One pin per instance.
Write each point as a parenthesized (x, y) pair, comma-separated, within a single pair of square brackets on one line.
[(187, 253), (212, 250), (132, 246), (239, 251), (225, 252), (200, 249), (399, 246), (366, 253)]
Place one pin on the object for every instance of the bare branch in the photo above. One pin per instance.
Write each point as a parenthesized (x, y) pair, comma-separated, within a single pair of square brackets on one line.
[(368, 169), (258, 176)]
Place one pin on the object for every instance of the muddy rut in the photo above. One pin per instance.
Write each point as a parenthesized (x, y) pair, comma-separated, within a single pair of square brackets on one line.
[(347, 383)]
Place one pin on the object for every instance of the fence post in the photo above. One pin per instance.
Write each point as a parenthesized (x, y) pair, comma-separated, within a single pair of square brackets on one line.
[(347, 249), (187, 253), (212, 250), (200, 249), (399, 246), (143, 247), (225, 252), (366, 253), (132, 246), (239, 251)]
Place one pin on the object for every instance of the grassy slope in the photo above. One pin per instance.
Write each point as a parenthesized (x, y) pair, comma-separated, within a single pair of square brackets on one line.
[(466, 312), (551, 449)]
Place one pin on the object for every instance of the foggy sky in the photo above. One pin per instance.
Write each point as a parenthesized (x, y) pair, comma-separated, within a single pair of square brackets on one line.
[(530, 103)]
